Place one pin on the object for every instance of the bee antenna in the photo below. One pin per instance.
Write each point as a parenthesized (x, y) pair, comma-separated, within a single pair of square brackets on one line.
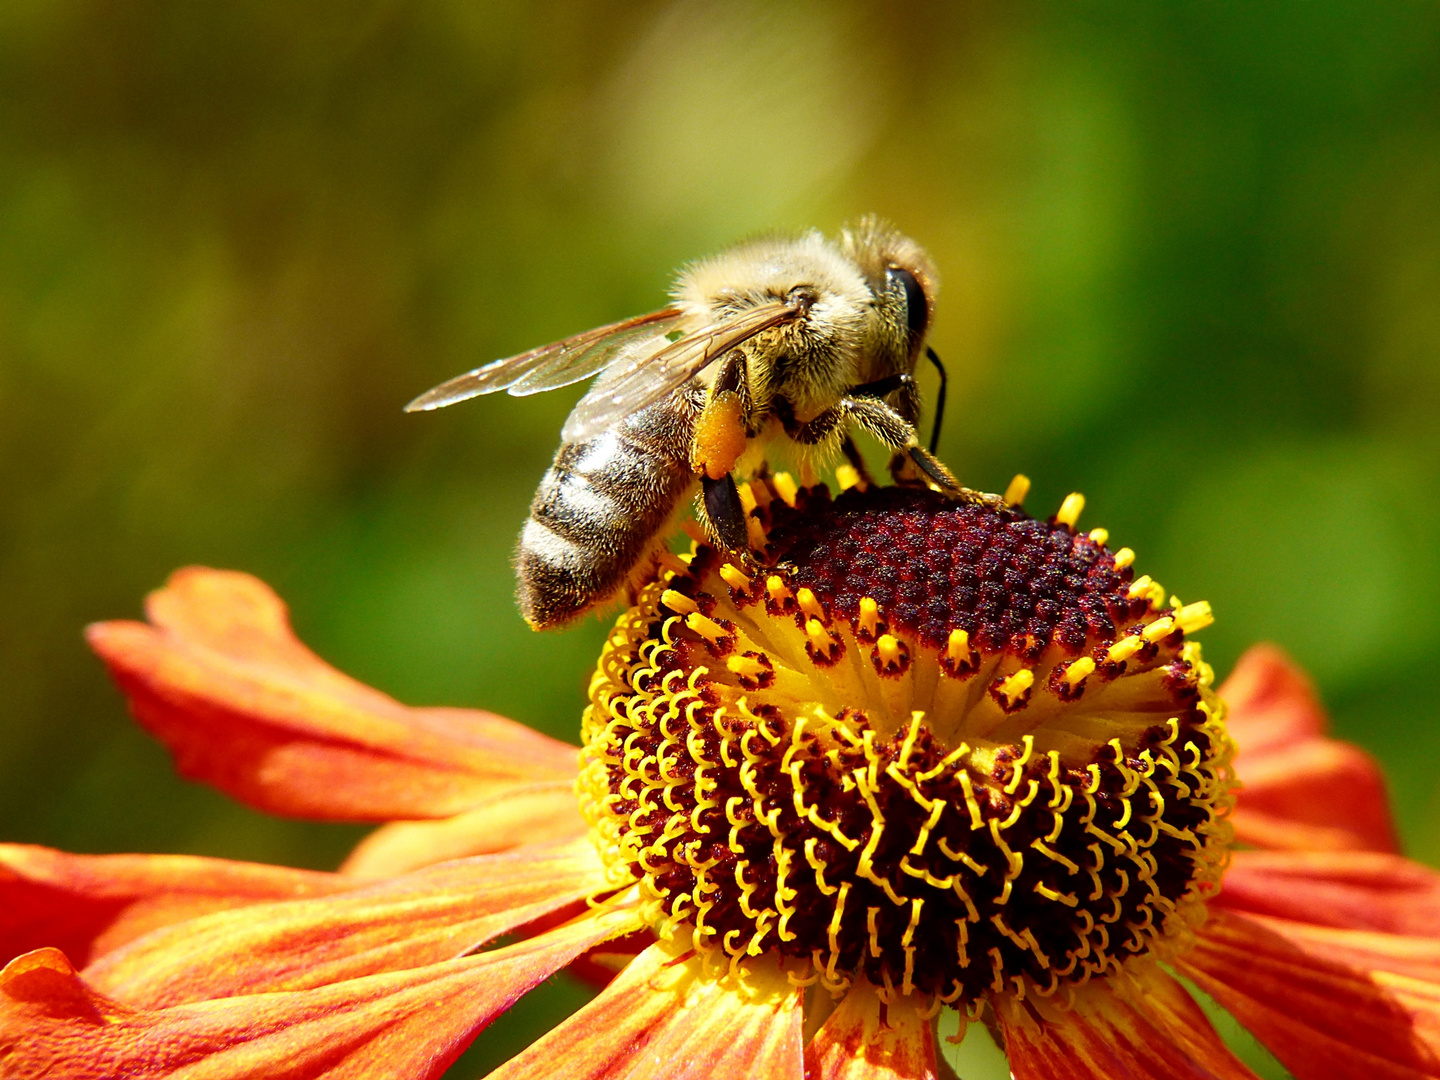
[(939, 399)]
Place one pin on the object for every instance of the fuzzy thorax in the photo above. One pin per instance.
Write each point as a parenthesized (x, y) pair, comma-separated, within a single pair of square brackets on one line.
[(951, 748)]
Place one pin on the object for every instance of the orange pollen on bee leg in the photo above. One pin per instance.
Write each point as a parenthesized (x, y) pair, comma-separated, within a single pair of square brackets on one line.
[(719, 435)]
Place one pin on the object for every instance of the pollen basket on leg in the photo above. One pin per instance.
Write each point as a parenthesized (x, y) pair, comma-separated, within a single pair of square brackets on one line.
[(947, 746)]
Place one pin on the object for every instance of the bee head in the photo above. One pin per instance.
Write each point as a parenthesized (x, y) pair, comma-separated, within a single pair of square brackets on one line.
[(902, 282)]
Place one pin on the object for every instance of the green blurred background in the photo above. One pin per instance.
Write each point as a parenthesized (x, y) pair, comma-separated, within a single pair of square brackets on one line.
[(1191, 266)]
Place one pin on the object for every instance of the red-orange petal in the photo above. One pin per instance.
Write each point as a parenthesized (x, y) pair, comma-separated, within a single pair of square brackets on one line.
[(1358, 890), (1271, 702), (1300, 790), (410, 1023), (1322, 1017), (1154, 1032), (219, 677), (525, 814), (89, 904), (867, 1039), (407, 922), (664, 1018)]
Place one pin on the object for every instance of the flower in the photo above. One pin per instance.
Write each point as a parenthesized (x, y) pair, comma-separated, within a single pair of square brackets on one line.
[(914, 753)]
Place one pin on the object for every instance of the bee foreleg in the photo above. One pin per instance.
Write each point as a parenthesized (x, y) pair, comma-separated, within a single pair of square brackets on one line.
[(892, 429), (723, 512)]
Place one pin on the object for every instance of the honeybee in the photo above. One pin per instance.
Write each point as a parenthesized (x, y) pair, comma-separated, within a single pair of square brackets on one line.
[(787, 343)]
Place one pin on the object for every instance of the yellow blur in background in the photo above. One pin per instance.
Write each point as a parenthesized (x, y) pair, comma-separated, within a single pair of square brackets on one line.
[(1190, 259)]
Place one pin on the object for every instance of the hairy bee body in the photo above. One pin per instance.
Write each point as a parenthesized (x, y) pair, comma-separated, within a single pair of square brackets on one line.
[(782, 344), (602, 509)]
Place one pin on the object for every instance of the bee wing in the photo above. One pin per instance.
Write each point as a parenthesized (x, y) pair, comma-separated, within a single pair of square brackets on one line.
[(649, 377), (550, 366)]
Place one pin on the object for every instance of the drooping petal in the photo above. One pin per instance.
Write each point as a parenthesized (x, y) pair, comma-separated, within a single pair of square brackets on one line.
[(526, 814), (665, 1018), (421, 918), (1151, 1032), (1300, 789), (89, 904), (1337, 1017), (410, 1023), (866, 1039), (218, 676), (1358, 890)]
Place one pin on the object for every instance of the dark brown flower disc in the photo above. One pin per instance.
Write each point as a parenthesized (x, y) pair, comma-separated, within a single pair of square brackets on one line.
[(946, 746)]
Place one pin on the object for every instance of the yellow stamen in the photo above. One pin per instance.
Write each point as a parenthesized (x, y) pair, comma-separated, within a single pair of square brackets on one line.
[(785, 487), (678, 601), (1124, 649), (707, 628), (1100, 536), (1014, 686), (668, 560), (776, 587), (755, 533), (819, 637), (957, 649), (847, 476), (1159, 629), (1193, 617), (1069, 511), (747, 496), (733, 576), (1017, 490), (1123, 558), (869, 616), (809, 605), (888, 648), (1078, 672)]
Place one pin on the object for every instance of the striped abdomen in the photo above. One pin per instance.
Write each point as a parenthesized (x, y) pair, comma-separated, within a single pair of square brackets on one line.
[(600, 509)]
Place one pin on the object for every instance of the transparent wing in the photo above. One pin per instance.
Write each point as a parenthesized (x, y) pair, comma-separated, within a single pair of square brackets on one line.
[(647, 378), (550, 366)]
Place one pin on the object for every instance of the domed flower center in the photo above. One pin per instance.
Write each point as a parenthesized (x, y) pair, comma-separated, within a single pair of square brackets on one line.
[(949, 747)]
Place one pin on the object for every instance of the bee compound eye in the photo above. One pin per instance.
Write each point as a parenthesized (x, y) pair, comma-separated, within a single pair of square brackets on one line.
[(917, 308)]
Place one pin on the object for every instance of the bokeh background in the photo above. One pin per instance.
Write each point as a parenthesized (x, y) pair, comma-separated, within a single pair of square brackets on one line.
[(1191, 267)]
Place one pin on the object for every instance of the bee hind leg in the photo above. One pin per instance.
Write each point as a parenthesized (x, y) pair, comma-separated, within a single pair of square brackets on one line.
[(723, 512)]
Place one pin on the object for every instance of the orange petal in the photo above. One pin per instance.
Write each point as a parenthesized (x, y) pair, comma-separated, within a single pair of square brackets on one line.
[(1271, 702), (410, 1023), (525, 814), (422, 918), (220, 679), (1153, 1032), (866, 1039), (664, 1017), (89, 904), (1299, 789), (1358, 890), (1325, 1019)]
